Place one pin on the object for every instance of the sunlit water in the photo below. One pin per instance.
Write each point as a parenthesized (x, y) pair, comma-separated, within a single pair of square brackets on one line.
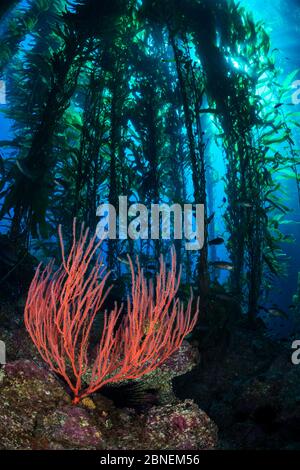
[(282, 19)]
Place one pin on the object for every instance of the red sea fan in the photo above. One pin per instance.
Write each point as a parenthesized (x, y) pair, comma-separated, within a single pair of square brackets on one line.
[(62, 305)]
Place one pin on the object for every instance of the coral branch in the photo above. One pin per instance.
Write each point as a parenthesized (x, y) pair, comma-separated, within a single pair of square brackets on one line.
[(62, 305)]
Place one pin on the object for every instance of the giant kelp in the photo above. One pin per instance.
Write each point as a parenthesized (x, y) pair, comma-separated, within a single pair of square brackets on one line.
[(120, 105)]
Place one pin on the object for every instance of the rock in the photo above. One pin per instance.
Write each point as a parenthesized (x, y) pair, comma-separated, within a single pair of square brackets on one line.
[(26, 392), (180, 427), (36, 413), (72, 427), (160, 380), (248, 435), (257, 395), (26, 369), (19, 345), (182, 361)]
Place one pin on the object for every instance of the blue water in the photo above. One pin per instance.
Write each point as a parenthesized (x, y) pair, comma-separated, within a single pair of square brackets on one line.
[(282, 19)]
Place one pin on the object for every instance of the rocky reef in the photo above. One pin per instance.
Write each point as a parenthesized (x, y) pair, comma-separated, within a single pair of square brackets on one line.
[(36, 412), (250, 390)]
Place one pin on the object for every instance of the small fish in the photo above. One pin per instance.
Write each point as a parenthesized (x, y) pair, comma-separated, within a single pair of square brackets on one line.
[(123, 260), (216, 241), (278, 105), (275, 312), (210, 218), (244, 204), (224, 200), (222, 265)]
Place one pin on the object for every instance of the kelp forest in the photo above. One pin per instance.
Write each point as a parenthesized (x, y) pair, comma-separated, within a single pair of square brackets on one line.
[(173, 104)]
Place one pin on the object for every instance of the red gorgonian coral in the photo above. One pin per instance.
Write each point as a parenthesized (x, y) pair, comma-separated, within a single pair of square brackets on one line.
[(62, 305)]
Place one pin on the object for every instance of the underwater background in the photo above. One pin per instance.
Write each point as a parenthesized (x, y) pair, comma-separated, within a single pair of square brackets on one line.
[(175, 102)]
